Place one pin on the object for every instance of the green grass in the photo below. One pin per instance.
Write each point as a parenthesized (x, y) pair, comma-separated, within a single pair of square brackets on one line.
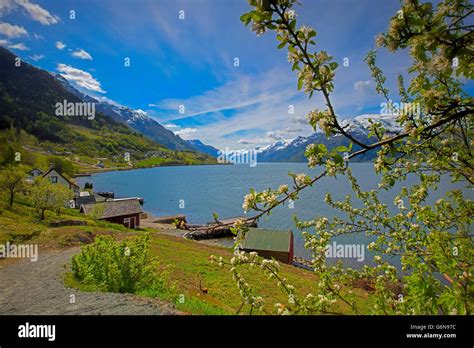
[(22, 224), (188, 262), (185, 262)]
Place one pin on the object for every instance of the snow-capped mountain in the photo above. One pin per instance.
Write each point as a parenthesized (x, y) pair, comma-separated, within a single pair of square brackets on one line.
[(360, 124), (272, 148), (207, 149), (137, 120), (358, 127)]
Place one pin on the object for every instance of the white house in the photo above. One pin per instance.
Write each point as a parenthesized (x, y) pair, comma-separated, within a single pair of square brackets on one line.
[(57, 178)]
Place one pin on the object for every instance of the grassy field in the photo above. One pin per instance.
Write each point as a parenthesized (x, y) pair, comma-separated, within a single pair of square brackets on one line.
[(185, 262)]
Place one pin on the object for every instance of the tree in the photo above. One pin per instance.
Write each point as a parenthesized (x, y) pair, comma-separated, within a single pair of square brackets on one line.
[(62, 194), (48, 196), (9, 156), (12, 180), (63, 166), (434, 241)]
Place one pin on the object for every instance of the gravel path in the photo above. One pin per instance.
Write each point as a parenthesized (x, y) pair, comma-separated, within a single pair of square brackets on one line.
[(37, 288)]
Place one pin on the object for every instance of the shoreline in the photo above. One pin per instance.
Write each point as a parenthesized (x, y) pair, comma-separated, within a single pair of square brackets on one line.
[(124, 169), (171, 230), (119, 169)]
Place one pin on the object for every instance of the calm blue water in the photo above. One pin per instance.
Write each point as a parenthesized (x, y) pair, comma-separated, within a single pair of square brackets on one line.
[(220, 189)]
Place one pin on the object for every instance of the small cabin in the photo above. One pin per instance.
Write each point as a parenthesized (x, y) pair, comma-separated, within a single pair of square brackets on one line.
[(270, 244), (125, 211)]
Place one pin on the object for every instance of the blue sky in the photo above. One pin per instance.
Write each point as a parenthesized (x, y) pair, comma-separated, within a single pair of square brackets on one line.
[(190, 61)]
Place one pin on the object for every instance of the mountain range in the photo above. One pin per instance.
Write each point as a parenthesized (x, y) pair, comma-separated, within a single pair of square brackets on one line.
[(293, 150), (280, 151), (28, 103), (141, 122)]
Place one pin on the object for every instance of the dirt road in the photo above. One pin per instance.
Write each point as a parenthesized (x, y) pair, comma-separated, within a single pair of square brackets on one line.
[(37, 288)]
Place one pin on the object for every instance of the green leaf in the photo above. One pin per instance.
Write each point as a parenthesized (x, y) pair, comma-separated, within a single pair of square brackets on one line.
[(244, 17), (256, 16), (338, 159), (321, 148), (342, 148)]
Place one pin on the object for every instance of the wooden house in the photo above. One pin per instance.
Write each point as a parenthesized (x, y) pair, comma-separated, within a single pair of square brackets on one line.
[(125, 211)]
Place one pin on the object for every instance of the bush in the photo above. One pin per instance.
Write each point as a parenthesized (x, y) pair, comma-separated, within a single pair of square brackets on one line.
[(112, 266)]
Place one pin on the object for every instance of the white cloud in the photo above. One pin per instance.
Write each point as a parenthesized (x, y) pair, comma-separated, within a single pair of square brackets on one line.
[(81, 54), (258, 104), (276, 134), (243, 92), (170, 126), (186, 133), (4, 42), (37, 12), (362, 86), (283, 134), (19, 46), (37, 57), (300, 120), (80, 77), (12, 31), (254, 141), (6, 6), (292, 129), (60, 45)]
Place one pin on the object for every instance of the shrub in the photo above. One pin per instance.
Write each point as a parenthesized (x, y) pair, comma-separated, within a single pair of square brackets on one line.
[(112, 266)]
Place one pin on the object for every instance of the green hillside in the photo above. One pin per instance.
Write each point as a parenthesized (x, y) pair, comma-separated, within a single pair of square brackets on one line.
[(29, 125)]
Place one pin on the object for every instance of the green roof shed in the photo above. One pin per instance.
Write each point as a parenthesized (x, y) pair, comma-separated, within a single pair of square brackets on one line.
[(275, 244)]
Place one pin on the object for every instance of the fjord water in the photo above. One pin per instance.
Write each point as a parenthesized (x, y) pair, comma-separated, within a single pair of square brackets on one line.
[(204, 190)]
